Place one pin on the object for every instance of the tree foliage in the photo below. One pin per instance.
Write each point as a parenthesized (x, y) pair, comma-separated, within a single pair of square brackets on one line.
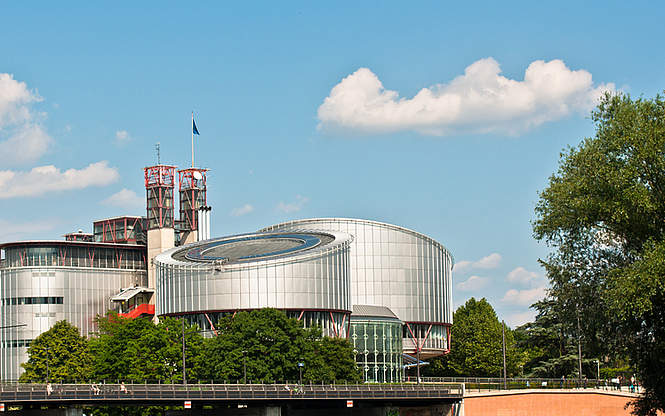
[(137, 350), (603, 212), (550, 344), (269, 346), (65, 351), (268, 343), (477, 345)]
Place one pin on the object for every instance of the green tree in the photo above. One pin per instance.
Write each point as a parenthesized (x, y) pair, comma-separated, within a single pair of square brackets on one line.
[(603, 213), (550, 344), (65, 351), (271, 345), (477, 349), (330, 359), (137, 350)]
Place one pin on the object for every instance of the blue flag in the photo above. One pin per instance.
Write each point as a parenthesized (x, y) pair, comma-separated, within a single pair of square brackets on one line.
[(194, 129)]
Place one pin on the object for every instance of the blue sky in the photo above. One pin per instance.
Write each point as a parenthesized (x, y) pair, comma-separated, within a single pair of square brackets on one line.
[(311, 109)]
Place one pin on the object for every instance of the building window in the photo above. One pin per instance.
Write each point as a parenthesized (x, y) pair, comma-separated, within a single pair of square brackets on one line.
[(17, 343), (35, 300)]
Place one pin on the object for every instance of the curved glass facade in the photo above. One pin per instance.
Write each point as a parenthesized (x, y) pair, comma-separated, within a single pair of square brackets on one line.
[(377, 344), (37, 292), (401, 269), (73, 254)]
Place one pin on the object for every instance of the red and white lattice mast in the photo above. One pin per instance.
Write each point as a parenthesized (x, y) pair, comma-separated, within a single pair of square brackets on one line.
[(194, 221), (159, 184)]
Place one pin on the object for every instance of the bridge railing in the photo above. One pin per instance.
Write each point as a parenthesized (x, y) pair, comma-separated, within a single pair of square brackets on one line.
[(497, 383), (171, 392)]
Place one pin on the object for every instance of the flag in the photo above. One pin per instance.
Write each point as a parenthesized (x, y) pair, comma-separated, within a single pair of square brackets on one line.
[(194, 129)]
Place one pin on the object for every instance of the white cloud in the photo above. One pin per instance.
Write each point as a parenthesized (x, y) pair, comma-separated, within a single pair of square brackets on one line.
[(490, 261), (462, 265), (295, 206), (524, 297), (44, 179), (125, 198), (520, 318), (523, 276), (472, 283), (22, 139), (481, 100), (121, 136), (243, 210)]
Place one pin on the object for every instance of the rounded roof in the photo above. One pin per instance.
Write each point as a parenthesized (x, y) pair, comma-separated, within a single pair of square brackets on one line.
[(250, 248), (306, 221)]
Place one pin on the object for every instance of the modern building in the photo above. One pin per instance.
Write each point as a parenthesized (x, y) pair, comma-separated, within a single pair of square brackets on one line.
[(305, 274), (403, 270), (384, 287), (376, 335), (43, 282)]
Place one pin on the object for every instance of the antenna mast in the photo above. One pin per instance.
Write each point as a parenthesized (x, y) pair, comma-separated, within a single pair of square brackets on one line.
[(159, 161)]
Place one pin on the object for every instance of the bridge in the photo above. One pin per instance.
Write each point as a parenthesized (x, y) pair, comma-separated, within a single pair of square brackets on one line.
[(275, 396), (449, 399)]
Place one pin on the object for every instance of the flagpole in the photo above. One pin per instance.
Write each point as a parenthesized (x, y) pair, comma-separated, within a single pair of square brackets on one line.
[(192, 129)]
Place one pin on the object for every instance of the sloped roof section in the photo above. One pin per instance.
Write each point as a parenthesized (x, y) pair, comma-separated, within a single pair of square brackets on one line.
[(370, 311)]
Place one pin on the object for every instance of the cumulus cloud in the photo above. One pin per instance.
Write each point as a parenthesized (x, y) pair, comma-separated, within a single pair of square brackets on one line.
[(490, 261), (121, 136), (295, 206), (243, 210), (125, 198), (520, 318), (480, 101), (472, 283), (522, 276), (523, 297), (22, 139), (44, 179)]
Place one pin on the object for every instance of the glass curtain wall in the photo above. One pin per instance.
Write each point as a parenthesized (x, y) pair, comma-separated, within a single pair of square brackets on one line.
[(377, 344)]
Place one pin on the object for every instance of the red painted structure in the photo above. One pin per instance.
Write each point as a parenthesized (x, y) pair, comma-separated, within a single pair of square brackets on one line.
[(193, 195), (159, 183), (79, 236), (120, 230), (139, 310)]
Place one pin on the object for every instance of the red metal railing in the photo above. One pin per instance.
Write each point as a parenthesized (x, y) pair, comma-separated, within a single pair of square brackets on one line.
[(138, 310)]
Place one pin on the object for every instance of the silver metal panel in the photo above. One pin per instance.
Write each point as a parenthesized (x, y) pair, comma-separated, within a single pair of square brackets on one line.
[(313, 279), (85, 293), (392, 266)]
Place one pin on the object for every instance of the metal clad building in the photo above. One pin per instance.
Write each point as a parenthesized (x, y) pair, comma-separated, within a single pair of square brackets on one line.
[(398, 268), (303, 273), (42, 282)]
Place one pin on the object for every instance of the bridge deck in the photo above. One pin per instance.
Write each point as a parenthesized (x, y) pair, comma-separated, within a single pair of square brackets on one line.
[(169, 393)]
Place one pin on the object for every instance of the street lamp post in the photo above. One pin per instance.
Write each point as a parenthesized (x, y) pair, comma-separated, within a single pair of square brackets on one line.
[(597, 371), (300, 366), (244, 367), (418, 348), (579, 346), (47, 366), (503, 343), (184, 371)]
